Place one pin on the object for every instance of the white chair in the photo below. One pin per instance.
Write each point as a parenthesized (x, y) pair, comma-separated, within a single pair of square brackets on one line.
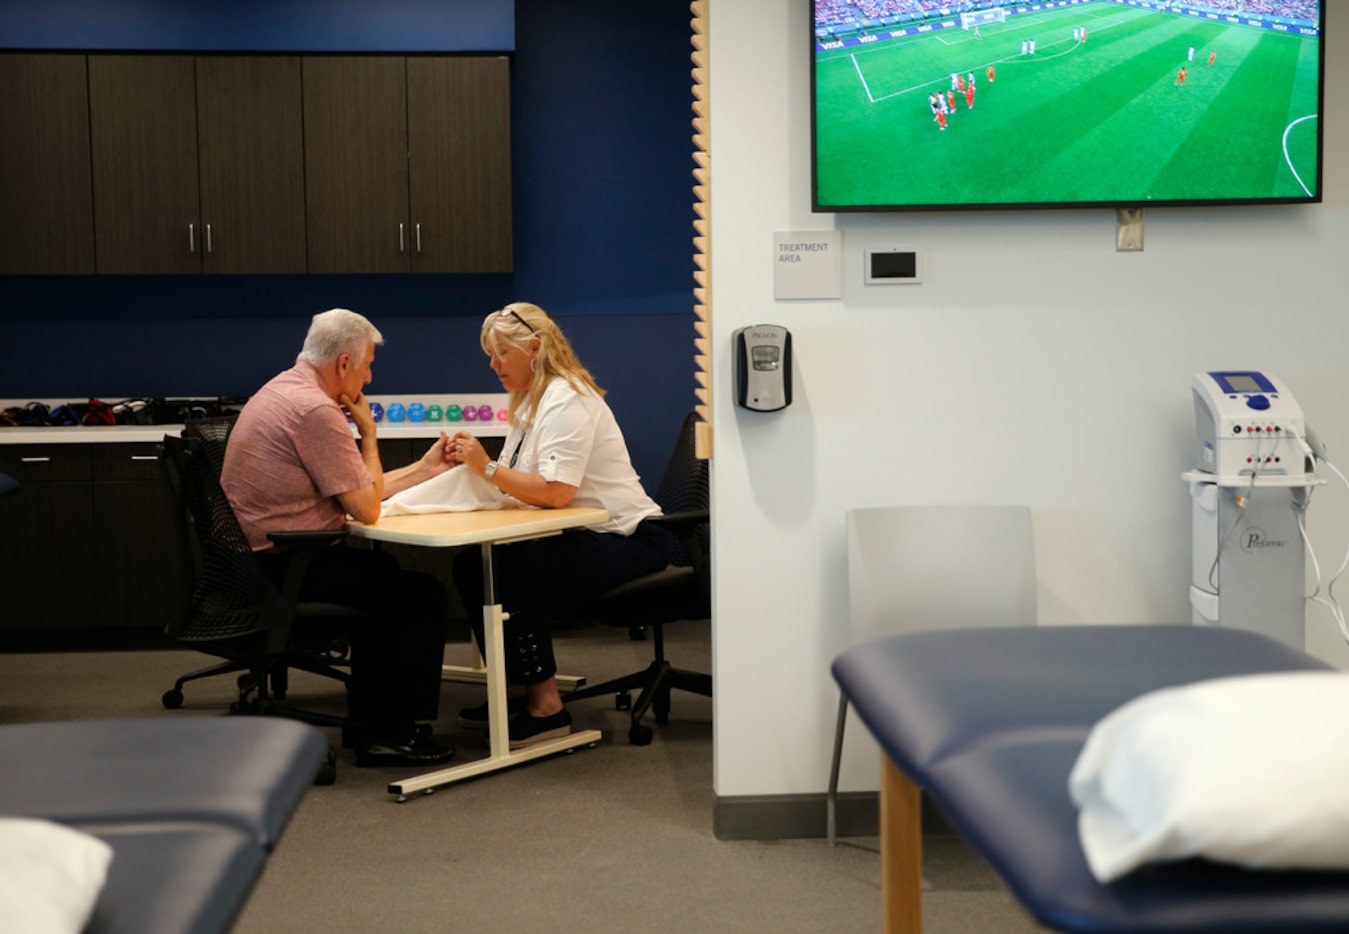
[(912, 568)]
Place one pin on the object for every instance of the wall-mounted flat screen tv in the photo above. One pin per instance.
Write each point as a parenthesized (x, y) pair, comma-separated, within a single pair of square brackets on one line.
[(924, 105)]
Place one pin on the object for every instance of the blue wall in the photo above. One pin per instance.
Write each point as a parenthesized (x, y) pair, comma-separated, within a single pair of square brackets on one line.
[(602, 216), (259, 25)]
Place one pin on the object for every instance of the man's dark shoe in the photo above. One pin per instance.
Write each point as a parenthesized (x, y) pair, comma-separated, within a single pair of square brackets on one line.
[(475, 718), (526, 730), (351, 735), (419, 750)]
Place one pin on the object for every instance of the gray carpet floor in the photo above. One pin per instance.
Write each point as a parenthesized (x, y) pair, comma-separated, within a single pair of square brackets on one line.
[(616, 838)]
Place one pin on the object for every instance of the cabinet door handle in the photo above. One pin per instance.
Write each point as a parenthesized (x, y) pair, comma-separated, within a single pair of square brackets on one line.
[(144, 457), (191, 238), (208, 238), (419, 238), (401, 247), (35, 460)]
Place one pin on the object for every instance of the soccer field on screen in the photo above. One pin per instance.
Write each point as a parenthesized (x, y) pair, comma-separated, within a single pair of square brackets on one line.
[(1106, 120)]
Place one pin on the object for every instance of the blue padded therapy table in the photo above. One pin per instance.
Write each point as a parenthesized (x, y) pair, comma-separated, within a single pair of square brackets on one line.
[(988, 723), (191, 807)]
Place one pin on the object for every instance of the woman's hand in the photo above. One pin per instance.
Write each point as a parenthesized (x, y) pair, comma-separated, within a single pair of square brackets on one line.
[(468, 450)]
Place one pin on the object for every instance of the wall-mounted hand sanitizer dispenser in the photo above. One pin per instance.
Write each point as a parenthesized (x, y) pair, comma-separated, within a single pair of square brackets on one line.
[(763, 367)]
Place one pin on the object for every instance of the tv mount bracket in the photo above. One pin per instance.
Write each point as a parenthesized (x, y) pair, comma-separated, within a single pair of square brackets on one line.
[(1128, 230)]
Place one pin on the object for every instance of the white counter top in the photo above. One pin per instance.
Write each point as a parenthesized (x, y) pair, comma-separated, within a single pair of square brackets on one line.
[(133, 434)]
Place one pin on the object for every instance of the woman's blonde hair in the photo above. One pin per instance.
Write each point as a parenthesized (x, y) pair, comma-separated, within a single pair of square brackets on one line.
[(519, 324)]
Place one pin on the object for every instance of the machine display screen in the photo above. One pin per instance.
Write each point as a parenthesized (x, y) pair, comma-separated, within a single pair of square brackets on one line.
[(1240, 383)]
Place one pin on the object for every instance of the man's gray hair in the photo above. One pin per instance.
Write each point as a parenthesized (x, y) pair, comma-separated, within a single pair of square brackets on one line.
[(335, 332)]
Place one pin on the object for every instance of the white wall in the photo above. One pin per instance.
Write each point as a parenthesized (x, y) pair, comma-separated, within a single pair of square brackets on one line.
[(1035, 365)]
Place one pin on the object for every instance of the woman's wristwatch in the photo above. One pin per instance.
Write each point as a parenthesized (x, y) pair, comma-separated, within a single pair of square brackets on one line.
[(489, 471)]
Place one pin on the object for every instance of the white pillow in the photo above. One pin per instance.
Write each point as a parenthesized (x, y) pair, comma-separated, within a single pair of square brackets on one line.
[(50, 876), (1252, 770)]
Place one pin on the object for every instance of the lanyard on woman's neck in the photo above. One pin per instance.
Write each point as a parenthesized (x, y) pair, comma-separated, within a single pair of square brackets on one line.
[(516, 455)]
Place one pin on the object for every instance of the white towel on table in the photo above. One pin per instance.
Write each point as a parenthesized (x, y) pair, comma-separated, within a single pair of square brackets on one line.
[(456, 490)]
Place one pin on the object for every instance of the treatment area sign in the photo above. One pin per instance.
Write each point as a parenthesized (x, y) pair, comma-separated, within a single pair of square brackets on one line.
[(807, 264)]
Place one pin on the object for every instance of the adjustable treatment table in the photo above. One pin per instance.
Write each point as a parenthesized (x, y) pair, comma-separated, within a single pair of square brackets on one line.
[(989, 722)]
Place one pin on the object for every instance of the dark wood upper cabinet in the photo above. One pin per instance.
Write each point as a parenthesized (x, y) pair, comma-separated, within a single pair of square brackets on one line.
[(460, 164), (134, 164), (46, 199), (143, 130), (250, 130), (407, 164), (356, 165)]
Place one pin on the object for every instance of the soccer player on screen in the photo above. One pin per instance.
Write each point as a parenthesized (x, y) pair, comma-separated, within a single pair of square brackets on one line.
[(1211, 57), (1180, 77), (933, 101), (990, 73)]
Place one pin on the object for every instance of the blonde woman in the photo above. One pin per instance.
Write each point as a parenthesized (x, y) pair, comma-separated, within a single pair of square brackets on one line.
[(564, 448)]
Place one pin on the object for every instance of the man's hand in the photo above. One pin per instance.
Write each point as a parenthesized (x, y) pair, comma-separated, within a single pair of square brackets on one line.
[(440, 456), (358, 410), (437, 459)]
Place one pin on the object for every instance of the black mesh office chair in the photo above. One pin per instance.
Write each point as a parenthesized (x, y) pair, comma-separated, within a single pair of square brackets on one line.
[(236, 612), (679, 592)]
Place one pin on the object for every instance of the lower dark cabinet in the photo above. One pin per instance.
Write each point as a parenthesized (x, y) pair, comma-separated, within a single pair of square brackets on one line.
[(88, 542), (138, 563), (46, 527)]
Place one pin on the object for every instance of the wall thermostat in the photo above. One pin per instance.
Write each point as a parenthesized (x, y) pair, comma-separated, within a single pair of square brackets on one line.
[(894, 266)]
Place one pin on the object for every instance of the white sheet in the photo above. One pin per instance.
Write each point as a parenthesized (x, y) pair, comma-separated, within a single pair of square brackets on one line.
[(456, 490)]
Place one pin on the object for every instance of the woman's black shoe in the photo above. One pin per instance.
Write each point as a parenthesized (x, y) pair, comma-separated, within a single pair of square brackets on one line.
[(526, 729)]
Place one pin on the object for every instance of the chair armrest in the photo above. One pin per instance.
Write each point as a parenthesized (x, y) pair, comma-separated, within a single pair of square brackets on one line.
[(688, 526), (301, 546), (306, 538), (681, 522)]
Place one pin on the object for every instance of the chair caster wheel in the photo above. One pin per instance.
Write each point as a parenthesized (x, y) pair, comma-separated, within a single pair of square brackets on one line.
[(244, 682), (640, 735), (623, 700), (327, 771), (172, 699)]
